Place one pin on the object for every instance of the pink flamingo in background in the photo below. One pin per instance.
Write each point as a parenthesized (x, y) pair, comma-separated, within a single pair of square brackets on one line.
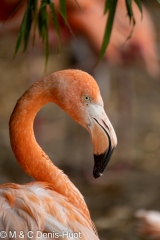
[(90, 22), (149, 223), (53, 203), (87, 20)]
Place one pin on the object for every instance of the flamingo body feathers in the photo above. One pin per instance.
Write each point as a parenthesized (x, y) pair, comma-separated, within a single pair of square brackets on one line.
[(36, 207)]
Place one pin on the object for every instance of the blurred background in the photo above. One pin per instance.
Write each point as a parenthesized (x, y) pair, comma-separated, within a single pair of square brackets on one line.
[(129, 80)]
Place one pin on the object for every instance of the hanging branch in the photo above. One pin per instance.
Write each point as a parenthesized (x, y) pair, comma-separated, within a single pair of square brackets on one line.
[(39, 15)]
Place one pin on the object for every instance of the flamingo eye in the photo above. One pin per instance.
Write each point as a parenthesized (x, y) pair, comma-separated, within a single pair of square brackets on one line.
[(86, 99)]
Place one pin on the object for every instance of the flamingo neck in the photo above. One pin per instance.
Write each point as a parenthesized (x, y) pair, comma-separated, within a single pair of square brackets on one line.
[(27, 151)]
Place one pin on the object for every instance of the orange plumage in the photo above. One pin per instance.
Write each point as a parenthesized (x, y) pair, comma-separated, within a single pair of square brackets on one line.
[(54, 203)]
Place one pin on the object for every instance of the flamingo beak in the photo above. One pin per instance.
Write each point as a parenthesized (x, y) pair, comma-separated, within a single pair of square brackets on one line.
[(104, 141), (101, 160)]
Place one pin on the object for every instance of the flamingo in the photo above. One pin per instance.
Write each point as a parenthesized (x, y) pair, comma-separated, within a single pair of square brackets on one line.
[(52, 204), (149, 223)]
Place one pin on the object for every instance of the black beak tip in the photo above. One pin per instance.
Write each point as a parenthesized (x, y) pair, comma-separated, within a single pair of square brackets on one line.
[(100, 162), (97, 174)]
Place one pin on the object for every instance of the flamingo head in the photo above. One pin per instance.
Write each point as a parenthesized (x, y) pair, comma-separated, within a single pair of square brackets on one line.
[(81, 99)]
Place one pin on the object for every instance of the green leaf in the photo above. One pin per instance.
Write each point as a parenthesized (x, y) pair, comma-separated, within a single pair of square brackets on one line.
[(35, 17), (63, 9), (107, 6), (28, 24), (21, 33), (130, 11), (111, 8), (63, 14), (54, 18), (20, 37), (43, 27), (43, 20), (158, 1), (138, 2), (55, 22)]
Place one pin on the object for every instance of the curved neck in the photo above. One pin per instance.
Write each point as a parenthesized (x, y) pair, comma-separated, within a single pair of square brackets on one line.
[(27, 151)]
